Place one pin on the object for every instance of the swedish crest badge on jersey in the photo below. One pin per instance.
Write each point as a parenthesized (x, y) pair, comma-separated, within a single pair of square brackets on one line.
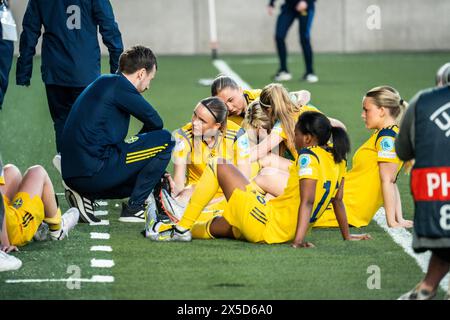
[(132, 139), (18, 203)]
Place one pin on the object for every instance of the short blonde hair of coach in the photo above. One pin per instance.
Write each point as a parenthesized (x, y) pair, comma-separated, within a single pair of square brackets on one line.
[(389, 98)]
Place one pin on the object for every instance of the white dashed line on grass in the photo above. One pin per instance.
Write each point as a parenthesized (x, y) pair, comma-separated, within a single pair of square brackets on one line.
[(101, 248), (100, 235), (101, 223), (404, 239), (101, 213), (102, 263)]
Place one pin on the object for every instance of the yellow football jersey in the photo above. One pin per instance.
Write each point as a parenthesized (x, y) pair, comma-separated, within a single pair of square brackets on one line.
[(250, 96), (279, 130), (362, 192), (233, 146), (313, 163)]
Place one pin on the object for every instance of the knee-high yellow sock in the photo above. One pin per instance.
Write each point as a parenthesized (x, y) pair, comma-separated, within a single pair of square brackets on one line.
[(205, 190), (200, 230), (54, 224)]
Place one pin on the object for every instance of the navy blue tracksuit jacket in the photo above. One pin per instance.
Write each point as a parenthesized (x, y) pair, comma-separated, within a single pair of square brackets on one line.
[(70, 54)]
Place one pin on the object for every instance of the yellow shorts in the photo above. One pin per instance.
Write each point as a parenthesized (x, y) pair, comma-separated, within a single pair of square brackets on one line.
[(248, 213), (23, 217)]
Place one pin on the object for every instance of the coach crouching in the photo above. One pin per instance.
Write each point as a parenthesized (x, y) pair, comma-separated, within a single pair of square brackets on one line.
[(97, 162)]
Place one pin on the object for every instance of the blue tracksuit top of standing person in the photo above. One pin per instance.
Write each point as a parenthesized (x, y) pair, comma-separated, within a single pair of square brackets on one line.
[(70, 48), (99, 121)]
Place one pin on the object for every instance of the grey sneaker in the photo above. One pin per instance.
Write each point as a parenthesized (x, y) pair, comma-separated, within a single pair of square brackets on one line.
[(68, 221), (170, 234), (42, 232), (171, 207), (8, 262), (416, 294)]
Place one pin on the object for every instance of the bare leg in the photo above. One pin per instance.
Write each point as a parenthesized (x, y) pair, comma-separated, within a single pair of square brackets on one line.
[(272, 180), (275, 161), (13, 178), (220, 228), (437, 269), (230, 178), (36, 182)]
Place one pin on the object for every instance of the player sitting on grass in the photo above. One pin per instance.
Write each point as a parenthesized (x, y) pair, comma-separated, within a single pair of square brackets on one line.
[(7, 262), (371, 183), (30, 201), (208, 134), (315, 179)]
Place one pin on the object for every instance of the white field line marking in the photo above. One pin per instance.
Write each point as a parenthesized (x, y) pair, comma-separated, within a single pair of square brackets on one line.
[(224, 68), (99, 235), (98, 279), (101, 248), (101, 223), (59, 193), (102, 263), (101, 213), (404, 239)]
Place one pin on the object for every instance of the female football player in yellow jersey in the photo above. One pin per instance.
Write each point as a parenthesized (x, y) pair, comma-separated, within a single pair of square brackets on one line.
[(29, 201), (235, 98), (371, 183), (209, 134), (315, 179)]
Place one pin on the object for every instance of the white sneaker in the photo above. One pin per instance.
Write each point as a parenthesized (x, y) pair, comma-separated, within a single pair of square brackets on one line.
[(171, 234), (311, 78), (171, 207), (57, 162), (282, 76), (8, 262), (150, 214), (68, 221)]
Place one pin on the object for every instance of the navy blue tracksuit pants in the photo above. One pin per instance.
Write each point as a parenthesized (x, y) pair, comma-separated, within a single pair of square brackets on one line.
[(132, 169), (60, 101), (6, 57), (285, 20)]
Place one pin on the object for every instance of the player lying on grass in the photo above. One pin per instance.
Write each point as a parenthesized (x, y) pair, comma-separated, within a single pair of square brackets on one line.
[(30, 201), (371, 183), (315, 179), (207, 134)]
